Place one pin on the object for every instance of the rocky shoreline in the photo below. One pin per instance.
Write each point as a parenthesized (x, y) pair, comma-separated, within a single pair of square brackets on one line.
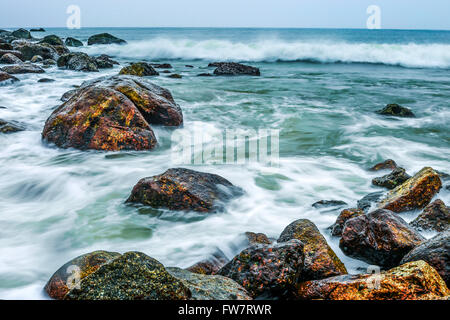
[(117, 113)]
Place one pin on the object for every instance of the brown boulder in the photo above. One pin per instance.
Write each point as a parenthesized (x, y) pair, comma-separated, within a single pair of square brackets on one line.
[(387, 164), (338, 226), (435, 216)]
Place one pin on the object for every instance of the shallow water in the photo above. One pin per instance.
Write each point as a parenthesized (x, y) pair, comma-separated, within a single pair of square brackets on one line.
[(57, 204)]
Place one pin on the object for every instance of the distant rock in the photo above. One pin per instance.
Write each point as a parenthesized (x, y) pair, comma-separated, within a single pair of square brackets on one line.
[(22, 34), (161, 65), (6, 78), (233, 69), (104, 38), (344, 216), (175, 76), (45, 80), (435, 216), (22, 68), (392, 180), (396, 111), (10, 126), (189, 66), (9, 58), (140, 69), (77, 61), (37, 30), (72, 42)]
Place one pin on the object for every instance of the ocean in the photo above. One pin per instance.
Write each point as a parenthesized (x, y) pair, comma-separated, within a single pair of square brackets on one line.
[(319, 87)]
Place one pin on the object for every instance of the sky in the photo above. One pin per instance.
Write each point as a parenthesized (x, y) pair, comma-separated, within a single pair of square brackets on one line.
[(395, 14)]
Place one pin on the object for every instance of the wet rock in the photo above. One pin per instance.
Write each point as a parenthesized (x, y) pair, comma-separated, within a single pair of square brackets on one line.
[(435, 216), (60, 50), (366, 202), (435, 252), (166, 71), (6, 46), (328, 203), (22, 34), (52, 40), (189, 66), (49, 62), (347, 214), (6, 78), (29, 50), (233, 69), (104, 61), (387, 164), (257, 238), (72, 42), (320, 261), (210, 265), (396, 110), (184, 189), (9, 58), (36, 59), (411, 281), (267, 271), (379, 237), (415, 193), (77, 61), (69, 94), (204, 75), (161, 65), (175, 76), (37, 30), (392, 180), (209, 287), (10, 126), (44, 80), (112, 276), (22, 68), (104, 38), (140, 69), (16, 53)]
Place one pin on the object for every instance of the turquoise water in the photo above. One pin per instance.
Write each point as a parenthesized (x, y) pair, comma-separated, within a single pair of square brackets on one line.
[(320, 88)]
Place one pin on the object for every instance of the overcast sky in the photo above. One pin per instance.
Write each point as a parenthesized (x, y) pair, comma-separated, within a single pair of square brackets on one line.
[(396, 14)]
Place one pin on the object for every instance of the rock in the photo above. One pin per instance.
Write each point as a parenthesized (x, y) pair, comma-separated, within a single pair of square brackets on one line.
[(257, 238), (140, 69), (393, 179), (411, 281), (338, 226), (210, 265), (189, 66), (234, 69), (366, 202), (175, 76), (52, 40), (72, 42), (46, 80), (204, 75), (328, 203), (60, 50), (435, 216), (49, 62), (37, 30), (104, 61), (209, 287), (166, 71), (387, 164), (112, 276), (16, 53), (379, 237), (9, 58), (184, 189), (69, 94), (36, 59), (415, 193), (29, 50), (104, 38), (320, 261), (77, 61), (6, 46), (267, 271), (10, 127), (22, 34), (396, 110), (435, 252), (22, 68), (161, 65), (6, 78)]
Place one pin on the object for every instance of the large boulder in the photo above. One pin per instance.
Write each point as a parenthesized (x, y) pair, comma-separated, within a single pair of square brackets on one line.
[(140, 69), (380, 237), (102, 275), (320, 261), (411, 281), (72, 42), (104, 38), (396, 111), (9, 58), (6, 78), (267, 271), (184, 189), (53, 40), (435, 216), (22, 68), (22, 34), (77, 61), (344, 216), (436, 252), (29, 50), (392, 180), (234, 69), (210, 287)]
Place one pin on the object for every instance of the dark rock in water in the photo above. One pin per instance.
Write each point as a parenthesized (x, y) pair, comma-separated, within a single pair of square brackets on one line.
[(52, 40), (210, 265), (9, 58), (347, 214), (320, 261), (104, 61), (435, 252), (37, 30), (204, 75), (415, 193), (46, 80), (6, 46), (233, 69), (175, 76), (189, 66), (49, 62), (387, 164), (328, 203), (6, 78), (161, 65), (412, 281), (140, 69), (257, 238), (267, 271), (22, 34), (16, 53), (112, 276), (184, 189), (380, 237), (10, 126), (393, 179), (72, 42), (77, 61), (209, 287), (435, 216), (396, 110), (29, 50), (36, 59), (366, 202), (166, 71), (23, 68), (104, 38), (60, 50)]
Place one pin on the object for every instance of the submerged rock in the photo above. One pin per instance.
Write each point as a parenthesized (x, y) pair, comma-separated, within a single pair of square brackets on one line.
[(411, 281), (9, 58), (104, 38), (233, 69), (393, 179), (22, 68), (45, 80), (77, 61), (396, 110), (72, 42), (112, 276), (10, 126), (175, 76), (320, 261), (267, 271), (379, 237), (435, 216), (366, 202), (436, 252), (204, 75), (184, 189), (347, 214), (6, 78), (328, 203), (140, 69), (415, 193), (210, 287)]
